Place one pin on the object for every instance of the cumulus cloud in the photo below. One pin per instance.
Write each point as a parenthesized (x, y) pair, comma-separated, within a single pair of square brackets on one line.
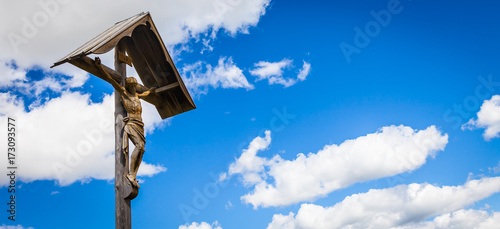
[(391, 150), (488, 118), (474, 219), (69, 138), (403, 205), (273, 72), (249, 165), (202, 225), (41, 32), (199, 77)]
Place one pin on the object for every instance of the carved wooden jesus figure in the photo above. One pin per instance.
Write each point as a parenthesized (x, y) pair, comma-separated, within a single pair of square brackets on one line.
[(133, 125)]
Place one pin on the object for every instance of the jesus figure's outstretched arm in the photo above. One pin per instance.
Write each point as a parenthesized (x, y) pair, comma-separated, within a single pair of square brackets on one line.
[(108, 78)]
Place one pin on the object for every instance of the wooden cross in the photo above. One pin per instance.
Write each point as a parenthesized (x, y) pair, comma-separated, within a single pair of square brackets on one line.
[(136, 42)]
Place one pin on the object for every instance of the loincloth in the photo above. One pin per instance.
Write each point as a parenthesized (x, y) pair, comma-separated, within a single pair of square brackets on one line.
[(132, 127)]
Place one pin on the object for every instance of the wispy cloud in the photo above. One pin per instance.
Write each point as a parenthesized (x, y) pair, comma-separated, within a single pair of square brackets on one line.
[(14, 227), (200, 76), (273, 72), (10, 74), (304, 72), (15, 79), (266, 70)]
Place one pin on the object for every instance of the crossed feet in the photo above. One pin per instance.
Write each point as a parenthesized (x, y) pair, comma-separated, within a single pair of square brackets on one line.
[(133, 180)]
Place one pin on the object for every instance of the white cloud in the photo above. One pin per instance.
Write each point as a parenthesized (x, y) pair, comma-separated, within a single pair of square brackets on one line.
[(282, 221), (495, 169), (228, 205), (69, 138), (391, 150), (199, 77), (52, 83), (41, 32), (304, 72), (266, 70), (207, 46), (9, 104), (249, 165), (403, 205), (488, 118), (202, 225), (14, 227), (9, 74), (273, 72), (474, 219), (15, 78)]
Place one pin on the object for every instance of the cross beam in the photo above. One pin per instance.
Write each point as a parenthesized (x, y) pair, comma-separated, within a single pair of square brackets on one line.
[(123, 212)]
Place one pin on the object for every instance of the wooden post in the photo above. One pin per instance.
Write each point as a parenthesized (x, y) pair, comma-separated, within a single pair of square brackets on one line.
[(123, 216)]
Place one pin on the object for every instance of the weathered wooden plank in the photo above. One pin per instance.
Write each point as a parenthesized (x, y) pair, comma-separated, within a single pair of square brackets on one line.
[(167, 87), (148, 42), (124, 58), (186, 102), (144, 47), (88, 65), (154, 44), (140, 65), (123, 215), (148, 76), (156, 67)]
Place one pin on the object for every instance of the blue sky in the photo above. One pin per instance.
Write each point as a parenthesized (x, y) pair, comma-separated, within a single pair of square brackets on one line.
[(290, 131)]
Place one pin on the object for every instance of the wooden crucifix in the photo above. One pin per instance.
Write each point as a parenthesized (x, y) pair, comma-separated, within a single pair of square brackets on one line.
[(137, 43)]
